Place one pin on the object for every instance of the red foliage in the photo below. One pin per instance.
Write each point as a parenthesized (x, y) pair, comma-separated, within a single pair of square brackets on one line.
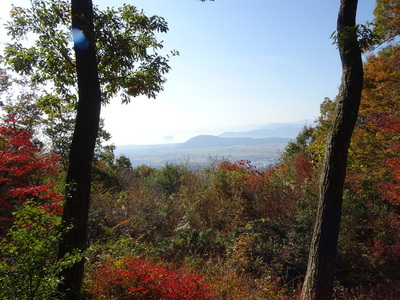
[(303, 168), (22, 169), (243, 166), (258, 194), (390, 124), (250, 176), (133, 278)]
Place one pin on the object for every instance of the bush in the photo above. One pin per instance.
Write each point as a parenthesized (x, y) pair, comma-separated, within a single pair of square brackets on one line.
[(29, 267), (134, 278), (167, 180)]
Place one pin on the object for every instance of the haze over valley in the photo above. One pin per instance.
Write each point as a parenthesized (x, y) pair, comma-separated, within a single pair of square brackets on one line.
[(262, 146)]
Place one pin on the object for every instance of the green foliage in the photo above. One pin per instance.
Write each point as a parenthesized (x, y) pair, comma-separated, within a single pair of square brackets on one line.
[(29, 266), (361, 32), (317, 148), (4, 82), (129, 61), (123, 163), (303, 140), (167, 180), (128, 52)]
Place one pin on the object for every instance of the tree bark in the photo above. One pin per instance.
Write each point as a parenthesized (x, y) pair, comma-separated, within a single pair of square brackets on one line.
[(318, 283), (78, 181)]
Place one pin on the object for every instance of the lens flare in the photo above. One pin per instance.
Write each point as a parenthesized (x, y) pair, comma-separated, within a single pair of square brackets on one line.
[(80, 41)]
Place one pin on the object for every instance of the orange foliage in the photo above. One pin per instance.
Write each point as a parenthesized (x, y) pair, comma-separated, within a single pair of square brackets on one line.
[(375, 146)]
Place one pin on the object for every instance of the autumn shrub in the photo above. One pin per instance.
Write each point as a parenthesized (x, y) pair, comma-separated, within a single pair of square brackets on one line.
[(265, 249), (118, 196), (237, 193), (137, 278), (271, 217), (230, 283), (24, 170)]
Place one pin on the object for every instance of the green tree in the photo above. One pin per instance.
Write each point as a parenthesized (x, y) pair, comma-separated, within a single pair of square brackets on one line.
[(320, 133), (128, 55), (168, 180), (116, 54), (318, 283), (303, 140), (123, 163)]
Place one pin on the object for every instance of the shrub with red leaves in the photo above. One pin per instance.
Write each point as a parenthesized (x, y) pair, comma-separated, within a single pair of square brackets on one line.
[(23, 168), (134, 278)]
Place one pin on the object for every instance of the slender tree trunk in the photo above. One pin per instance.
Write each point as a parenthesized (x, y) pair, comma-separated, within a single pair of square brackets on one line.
[(82, 147), (320, 274)]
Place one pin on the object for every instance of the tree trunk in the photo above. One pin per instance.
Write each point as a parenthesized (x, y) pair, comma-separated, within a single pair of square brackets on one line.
[(320, 274), (78, 179)]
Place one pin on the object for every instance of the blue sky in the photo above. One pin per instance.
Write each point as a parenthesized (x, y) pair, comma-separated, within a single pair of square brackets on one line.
[(242, 64)]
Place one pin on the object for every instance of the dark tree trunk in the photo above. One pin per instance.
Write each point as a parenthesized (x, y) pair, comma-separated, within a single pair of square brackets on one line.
[(82, 147), (319, 278)]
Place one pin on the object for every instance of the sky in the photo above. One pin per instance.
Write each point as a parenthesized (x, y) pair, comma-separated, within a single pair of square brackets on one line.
[(243, 64)]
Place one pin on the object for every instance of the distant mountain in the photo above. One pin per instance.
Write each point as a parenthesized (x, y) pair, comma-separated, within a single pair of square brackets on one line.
[(262, 146), (207, 141), (275, 130)]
